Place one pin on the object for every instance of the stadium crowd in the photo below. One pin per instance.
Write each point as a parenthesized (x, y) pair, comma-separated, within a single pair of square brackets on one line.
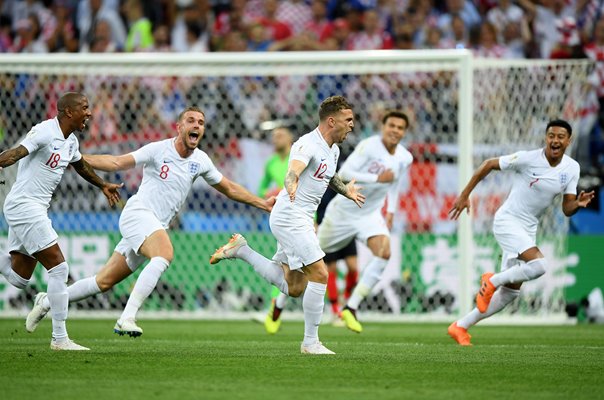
[(491, 28)]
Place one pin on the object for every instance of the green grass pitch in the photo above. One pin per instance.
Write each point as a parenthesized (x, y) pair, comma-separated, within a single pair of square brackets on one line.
[(237, 360)]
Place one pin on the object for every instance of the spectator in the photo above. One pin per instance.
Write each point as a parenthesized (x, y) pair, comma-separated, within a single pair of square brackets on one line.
[(90, 12), (543, 18), (140, 35), (190, 29), (6, 40), (275, 29), (161, 39), (29, 38), (459, 35), (102, 39), (258, 39), (295, 13), (464, 9), (487, 46), (372, 37), (64, 38)]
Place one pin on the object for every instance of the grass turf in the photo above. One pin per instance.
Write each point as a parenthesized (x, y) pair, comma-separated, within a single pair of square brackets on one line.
[(237, 360)]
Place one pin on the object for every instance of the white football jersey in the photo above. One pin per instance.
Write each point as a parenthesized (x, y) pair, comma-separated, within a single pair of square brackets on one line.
[(168, 178), (321, 163), (535, 185), (369, 159), (40, 172)]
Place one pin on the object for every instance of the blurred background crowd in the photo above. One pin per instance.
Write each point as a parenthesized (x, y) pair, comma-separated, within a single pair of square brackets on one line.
[(491, 28)]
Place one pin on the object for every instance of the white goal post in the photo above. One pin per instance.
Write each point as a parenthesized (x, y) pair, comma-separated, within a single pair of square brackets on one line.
[(462, 110)]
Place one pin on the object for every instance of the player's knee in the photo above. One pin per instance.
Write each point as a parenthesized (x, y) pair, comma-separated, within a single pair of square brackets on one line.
[(104, 283), (535, 268), (168, 254), (384, 253), (295, 290), (17, 281)]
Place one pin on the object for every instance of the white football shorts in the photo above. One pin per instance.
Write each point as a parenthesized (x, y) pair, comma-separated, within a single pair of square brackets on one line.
[(29, 233), (136, 225), (513, 238), (297, 243), (337, 229)]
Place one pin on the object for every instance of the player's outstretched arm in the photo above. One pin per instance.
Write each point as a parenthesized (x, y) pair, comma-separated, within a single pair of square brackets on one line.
[(110, 163), (463, 200), (110, 190), (349, 190), (235, 191), (571, 203), (9, 157)]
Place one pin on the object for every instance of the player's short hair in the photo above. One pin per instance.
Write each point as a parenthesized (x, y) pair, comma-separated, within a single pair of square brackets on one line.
[(396, 114), (69, 100), (190, 108), (562, 124), (332, 105)]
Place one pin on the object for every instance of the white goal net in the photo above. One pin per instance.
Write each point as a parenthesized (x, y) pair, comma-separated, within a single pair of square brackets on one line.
[(461, 111)]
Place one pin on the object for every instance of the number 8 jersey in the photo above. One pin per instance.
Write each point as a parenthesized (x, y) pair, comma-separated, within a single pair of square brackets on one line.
[(168, 178), (321, 163)]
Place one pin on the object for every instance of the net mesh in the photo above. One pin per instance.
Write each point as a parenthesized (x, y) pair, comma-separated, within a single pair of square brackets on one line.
[(136, 102)]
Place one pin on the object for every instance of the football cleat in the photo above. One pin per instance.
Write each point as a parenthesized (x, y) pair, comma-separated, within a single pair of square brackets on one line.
[(351, 321), (229, 250), (271, 326), (315, 348), (127, 327), (459, 334), (66, 344), (483, 298), (37, 313)]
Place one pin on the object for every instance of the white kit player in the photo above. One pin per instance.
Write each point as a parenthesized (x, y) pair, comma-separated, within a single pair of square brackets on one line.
[(297, 267), (378, 163), (170, 168), (44, 154), (540, 175)]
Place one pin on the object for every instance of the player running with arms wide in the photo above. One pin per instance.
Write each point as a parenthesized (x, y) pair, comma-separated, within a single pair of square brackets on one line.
[(297, 267), (170, 168), (43, 156), (540, 175)]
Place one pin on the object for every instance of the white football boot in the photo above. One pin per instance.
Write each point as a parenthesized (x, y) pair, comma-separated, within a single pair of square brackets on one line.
[(37, 313), (315, 348), (66, 344), (229, 250), (127, 327)]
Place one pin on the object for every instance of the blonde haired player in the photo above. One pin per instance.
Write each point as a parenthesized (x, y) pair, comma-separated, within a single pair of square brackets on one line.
[(540, 175), (43, 156), (170, 168), (297, 267)]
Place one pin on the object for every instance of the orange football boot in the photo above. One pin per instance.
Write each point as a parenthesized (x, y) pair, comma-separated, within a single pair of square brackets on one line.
[(483, 298), (459, 334)]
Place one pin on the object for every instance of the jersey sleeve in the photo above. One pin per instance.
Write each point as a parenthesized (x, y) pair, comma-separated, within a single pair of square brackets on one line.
[(35, 140), (353, 164), (77, 156), (145, 154), (516, 161), (209, 172), (571, 186), (302, 151)]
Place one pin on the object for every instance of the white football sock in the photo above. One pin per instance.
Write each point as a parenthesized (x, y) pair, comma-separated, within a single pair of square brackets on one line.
[(520, 273), (11, 276), (270, 270), (144, 286), (312, 304), (79, 290), (58, 299), (501, 298), (281, 300), (371, 275)]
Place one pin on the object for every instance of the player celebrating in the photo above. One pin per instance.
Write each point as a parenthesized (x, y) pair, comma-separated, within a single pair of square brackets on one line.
[(170, 168), (379, 163), (297, 266), (540, 175), (45, 153)]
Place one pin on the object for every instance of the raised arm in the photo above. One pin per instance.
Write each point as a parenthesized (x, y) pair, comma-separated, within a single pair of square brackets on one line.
[(571, 202), (110, 190), (463, 200), (235, 191), (349, 190), (9, 157), (110, 163)]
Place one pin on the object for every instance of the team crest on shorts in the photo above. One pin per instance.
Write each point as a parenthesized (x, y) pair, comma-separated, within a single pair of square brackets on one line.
[(193, 168), (563, 177)]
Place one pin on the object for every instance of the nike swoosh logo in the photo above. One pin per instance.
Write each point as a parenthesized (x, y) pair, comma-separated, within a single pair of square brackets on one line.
[(167, 161), (56, 148), (323, 159)]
